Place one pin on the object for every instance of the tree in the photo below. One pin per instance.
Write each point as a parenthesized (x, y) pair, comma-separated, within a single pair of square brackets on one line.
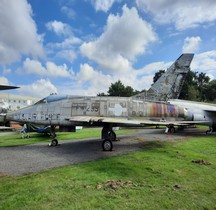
[(158, 75), (118, 89), (210, 91), (189, 85)]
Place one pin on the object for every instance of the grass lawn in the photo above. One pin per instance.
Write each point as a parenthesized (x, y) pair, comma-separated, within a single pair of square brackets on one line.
[(16, 140), (160, 176)]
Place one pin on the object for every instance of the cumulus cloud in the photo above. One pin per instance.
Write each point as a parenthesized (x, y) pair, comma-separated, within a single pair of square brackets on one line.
[(95, 79), (102, 5), (70, 13), (59, 28), (67, 43), (40, 88), (183, 13), (124, 38), (4, 81), (69, 55), (66, 49), (49, 70), (191, 44), (18, 32), (205, 62)]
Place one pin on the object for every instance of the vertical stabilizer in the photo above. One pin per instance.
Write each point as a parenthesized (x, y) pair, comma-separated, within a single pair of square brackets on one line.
[(169, 85)]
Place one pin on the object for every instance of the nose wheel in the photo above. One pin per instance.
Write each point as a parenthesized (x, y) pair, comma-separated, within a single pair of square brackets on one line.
[(53, 143)]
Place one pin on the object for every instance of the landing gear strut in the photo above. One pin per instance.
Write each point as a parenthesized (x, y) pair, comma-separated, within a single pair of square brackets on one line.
[(108, 135), (209, 131), (54, 141), (170, 129)]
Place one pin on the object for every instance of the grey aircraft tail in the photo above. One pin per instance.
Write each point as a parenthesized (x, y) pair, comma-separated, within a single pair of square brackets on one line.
[(169, 85)]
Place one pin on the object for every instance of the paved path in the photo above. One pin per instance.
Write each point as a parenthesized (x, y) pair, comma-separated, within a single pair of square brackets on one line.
[(38, 157)]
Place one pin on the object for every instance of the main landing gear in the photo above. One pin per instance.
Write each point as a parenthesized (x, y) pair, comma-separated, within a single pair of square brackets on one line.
[(209, 131), (108, 136), (54, 141), (170, 129)]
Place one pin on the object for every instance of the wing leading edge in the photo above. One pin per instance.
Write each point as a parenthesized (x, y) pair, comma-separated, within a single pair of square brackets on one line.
[(91, 120)]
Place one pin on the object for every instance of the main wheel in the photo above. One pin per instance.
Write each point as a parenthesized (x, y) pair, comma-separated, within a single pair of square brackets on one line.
[(172, 129), (54, 142), (107, 145)]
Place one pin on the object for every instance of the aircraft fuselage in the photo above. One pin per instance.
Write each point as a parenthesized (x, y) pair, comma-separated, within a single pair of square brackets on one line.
[(56, 110)]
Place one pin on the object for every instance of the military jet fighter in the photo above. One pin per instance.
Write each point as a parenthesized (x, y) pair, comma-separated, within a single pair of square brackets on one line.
[(108, 112)]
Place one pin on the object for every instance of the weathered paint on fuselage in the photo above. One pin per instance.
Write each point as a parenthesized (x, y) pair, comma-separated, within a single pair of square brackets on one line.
[(198, 111), (56, 110)]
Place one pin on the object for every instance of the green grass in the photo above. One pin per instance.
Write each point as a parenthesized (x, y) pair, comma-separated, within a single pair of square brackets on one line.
[(16, 140), (163, 176)]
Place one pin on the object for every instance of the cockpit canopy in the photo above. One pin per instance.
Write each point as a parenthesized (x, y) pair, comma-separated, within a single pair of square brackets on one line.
[(51, 98)]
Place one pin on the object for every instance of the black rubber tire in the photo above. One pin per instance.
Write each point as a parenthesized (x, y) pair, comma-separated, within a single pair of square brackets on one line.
[(172, 130), (54, 142), (107, 145)]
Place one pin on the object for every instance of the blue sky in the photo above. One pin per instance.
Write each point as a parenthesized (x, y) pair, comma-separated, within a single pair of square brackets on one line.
[(80, 47)]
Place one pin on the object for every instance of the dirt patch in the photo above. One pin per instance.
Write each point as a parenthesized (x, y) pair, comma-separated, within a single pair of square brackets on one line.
[(201, 162), (3, 175), (115, 184)]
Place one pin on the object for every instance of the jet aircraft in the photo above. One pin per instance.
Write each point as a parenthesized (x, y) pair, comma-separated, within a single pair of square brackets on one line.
[(108, 112)]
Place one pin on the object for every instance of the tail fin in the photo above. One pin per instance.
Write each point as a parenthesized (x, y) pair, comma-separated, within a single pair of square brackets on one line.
[(169, 85)]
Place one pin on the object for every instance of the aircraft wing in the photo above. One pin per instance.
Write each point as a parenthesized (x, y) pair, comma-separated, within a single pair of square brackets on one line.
[(127, 122)]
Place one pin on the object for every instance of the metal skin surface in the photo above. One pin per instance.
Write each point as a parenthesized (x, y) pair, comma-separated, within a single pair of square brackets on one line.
[(198, 111), (69, 110)]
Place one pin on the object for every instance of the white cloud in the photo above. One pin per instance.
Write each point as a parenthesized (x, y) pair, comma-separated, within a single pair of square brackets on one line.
[(18, 32), (66, 49), (154, 67), (59, 28), (40, 89), (50, 69), (7, 71), (4, 81), (205, 62), (124, 38), (67, 43), (69, 12), (97, 81), (183, 13), (191, 44), (69, 55), (102, 5)]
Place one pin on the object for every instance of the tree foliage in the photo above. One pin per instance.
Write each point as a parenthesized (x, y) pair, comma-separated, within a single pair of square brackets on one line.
[(119, 89), (158, 75)]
